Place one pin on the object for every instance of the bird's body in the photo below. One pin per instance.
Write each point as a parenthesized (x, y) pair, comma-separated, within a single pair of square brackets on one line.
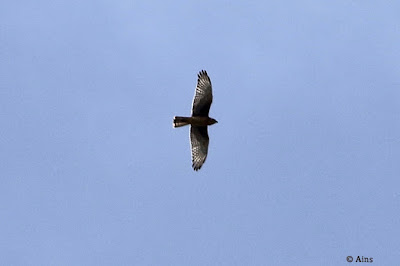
[(180, 121), (199, 120)]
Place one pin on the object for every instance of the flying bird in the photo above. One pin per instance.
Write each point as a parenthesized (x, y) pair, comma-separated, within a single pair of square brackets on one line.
[(199, 121)]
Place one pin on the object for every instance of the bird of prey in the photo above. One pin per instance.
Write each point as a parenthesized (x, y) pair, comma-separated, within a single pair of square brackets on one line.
[(199, 120)]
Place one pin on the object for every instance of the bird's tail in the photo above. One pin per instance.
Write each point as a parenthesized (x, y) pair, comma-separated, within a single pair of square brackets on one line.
[(180, 121)]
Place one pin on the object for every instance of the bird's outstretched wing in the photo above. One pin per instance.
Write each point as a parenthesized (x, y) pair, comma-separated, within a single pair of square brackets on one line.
[(199, 145), (203, 95)]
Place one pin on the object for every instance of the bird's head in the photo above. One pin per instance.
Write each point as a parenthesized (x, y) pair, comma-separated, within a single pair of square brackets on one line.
[(212, 121)]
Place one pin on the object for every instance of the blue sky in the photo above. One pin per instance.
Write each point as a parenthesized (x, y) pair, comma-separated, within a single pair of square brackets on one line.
[(303, 166)]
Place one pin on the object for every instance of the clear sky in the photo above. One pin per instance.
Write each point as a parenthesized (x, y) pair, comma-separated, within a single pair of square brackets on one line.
[(303, 166)]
